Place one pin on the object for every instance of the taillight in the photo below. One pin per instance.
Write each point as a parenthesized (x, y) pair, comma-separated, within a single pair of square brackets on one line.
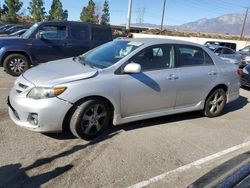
[(239, 72)]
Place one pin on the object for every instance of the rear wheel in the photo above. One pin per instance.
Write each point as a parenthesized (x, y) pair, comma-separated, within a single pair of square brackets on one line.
[(15, 64), (90, 119), (215, 103)]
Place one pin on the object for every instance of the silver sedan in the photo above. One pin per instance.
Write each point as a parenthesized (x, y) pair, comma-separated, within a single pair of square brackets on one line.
[(122, 81)]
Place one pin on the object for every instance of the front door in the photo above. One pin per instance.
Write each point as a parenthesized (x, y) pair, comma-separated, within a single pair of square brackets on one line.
[(53, 45), (154, 88)]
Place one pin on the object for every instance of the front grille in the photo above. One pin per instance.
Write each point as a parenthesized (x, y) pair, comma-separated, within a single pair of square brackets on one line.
[(22, 86)]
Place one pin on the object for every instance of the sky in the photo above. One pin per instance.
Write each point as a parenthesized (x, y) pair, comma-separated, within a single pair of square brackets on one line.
[(177, 11)]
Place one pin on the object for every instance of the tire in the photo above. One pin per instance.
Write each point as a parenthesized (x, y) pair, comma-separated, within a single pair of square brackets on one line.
[(215, 103), (90, 119), (15, 64)]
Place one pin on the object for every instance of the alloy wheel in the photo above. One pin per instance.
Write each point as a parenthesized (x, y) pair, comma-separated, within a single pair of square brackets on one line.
[(94, 119), (17, 64), (216, 103)]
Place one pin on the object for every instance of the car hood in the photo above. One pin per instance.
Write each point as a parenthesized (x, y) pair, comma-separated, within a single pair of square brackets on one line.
[(59, 72), (5, 40)]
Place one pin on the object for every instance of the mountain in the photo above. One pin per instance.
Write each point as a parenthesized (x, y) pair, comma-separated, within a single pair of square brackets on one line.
[(229, 23), (225, 24)]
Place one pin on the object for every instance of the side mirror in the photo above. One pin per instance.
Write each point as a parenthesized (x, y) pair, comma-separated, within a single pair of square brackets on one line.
[(41, 36), (132, 68), (217, 53)]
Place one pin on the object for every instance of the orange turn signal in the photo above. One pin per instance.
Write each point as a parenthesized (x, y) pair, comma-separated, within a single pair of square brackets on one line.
[(59, 90)]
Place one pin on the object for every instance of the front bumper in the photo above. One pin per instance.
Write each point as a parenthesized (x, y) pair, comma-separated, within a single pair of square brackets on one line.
[(50, 112)]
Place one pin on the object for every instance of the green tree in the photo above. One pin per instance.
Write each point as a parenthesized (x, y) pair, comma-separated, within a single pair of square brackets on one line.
[(65, 15), (88, 13), (56, 11), (3, 10), (105, 16), (12, 7), (37, 10)]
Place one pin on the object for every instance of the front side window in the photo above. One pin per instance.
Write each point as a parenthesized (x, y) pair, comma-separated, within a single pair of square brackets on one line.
[(155, 57), (191, 56), (54, 32)]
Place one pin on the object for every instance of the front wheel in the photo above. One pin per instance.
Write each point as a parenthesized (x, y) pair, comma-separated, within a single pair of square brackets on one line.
[(15, 64), (215, 103), (90, 119)]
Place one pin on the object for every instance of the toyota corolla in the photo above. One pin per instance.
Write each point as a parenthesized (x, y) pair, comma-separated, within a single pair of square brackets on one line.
[(122, 81)]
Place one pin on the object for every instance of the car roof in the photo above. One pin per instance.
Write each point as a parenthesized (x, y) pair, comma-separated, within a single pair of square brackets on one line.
[(152, 41), (73, 22)]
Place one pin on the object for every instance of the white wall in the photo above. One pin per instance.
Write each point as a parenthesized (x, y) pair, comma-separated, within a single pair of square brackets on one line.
[(240, 44)]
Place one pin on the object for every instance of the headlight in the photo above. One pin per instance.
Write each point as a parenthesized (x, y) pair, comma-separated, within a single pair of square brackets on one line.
[(45, 92), (245, 71)]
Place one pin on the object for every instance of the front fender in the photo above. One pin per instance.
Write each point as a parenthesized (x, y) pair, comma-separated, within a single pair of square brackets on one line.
[(4, 51)]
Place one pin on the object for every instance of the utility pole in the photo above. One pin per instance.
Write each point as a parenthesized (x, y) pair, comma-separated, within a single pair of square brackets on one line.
[(162, 17), (244, 23), (129, 15)]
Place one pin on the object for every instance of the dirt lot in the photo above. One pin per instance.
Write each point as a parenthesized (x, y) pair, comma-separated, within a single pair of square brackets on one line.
[(125, 155)]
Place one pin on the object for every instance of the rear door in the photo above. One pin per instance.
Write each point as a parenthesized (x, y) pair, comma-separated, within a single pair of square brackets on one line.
[(79, 41), (197, 75)]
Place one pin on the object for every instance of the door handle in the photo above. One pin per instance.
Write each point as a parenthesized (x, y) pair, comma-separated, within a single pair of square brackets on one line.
[(212, 73), (172, 77)]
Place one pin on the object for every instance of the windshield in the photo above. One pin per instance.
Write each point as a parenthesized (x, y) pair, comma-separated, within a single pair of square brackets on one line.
[(246, 49), (109, 53), (30, 31)]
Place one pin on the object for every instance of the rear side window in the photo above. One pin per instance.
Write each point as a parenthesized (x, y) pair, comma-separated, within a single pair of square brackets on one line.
[(54, 32), (80, 32), (188, 55), (101, 34)]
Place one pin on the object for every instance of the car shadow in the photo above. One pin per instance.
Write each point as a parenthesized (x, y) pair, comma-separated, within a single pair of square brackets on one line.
[(235, 105), (14, 175)]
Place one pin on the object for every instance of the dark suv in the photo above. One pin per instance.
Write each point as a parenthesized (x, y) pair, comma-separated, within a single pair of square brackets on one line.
[(47, 41)]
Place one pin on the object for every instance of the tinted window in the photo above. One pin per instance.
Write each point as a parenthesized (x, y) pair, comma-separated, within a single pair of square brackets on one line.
[(54, 32), (218, 50), (101, 34), (80, 32), (191, 56), (155, 57), (227, 51)]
